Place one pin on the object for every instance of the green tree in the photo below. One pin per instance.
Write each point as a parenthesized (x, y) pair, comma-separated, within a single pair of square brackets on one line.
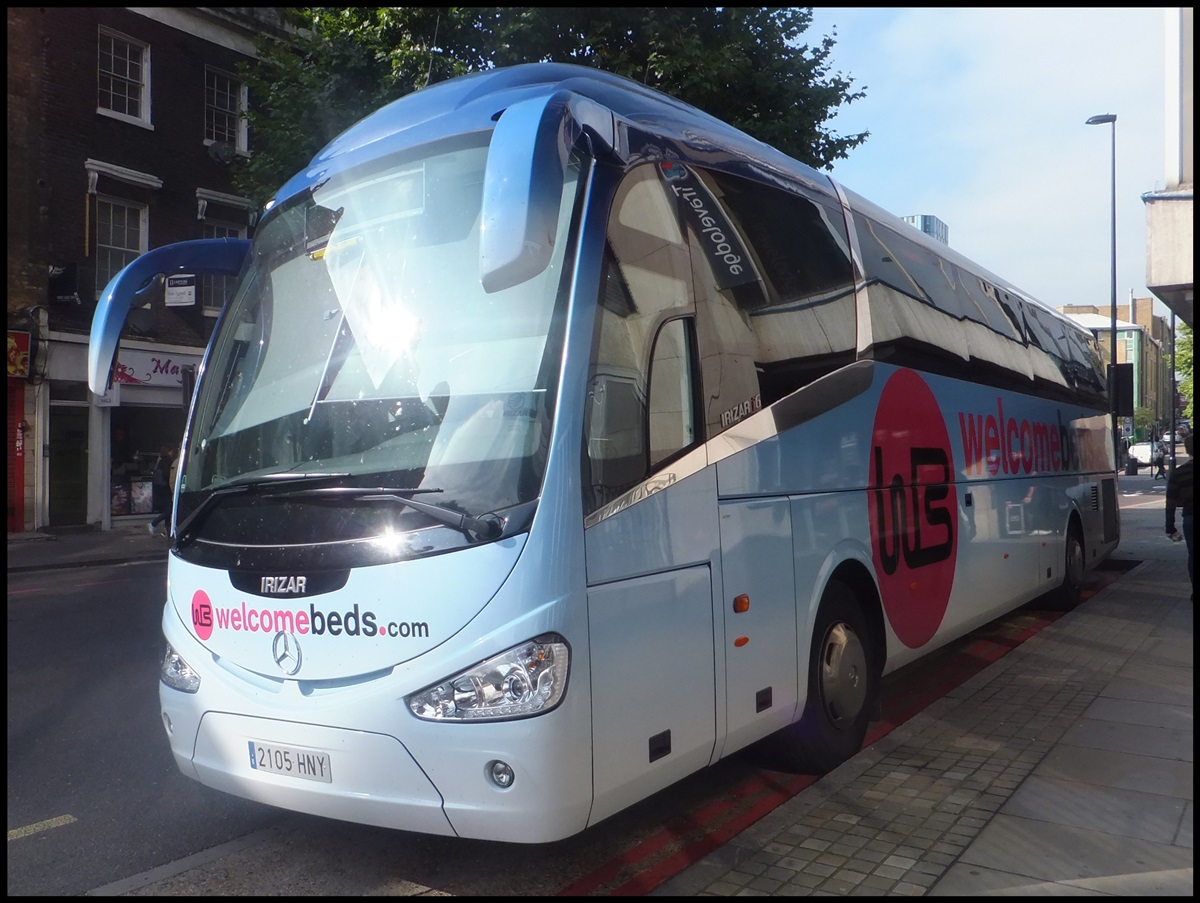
[(745, 65), (1184, 366), (341, 63), (1142, 423)]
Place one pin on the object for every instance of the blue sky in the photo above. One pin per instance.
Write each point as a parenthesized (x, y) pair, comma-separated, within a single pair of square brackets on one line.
[(977, 117)]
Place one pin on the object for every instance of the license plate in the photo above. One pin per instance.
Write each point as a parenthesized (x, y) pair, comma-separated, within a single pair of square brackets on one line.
[(310, 764)]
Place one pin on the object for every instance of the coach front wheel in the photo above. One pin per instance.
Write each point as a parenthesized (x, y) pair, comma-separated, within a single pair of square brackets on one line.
[(843, 684)]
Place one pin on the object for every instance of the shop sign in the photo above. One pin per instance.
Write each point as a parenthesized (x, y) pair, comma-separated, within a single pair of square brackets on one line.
[(18, 353), (63, 284), (180, 291), (150, 368)]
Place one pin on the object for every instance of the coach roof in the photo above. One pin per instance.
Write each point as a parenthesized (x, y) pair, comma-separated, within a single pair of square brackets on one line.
[(473, 103)]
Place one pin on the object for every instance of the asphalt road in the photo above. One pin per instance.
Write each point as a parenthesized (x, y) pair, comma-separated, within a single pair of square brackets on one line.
[(93, 794)]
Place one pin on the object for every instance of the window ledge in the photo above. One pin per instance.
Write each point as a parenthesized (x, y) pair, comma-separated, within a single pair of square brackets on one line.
[(121, 174), (122, 117)]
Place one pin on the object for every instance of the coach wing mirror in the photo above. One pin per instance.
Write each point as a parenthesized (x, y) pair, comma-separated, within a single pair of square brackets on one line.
[(210, 256), (523, 182)]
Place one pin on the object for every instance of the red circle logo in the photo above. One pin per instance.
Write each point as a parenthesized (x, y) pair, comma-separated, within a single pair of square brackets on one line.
[(913, 508), (202, 614)]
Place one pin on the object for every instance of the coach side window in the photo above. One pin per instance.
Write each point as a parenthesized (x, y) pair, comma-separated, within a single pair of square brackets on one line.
[(774, 290), (640, 409), (929, 312), (673, 425)]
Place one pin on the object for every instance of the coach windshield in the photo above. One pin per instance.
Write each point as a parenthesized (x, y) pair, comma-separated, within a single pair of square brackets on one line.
[(361, 347)]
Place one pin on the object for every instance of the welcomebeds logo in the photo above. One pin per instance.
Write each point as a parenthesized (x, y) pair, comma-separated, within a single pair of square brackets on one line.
[(308, 621), (1000, 445)]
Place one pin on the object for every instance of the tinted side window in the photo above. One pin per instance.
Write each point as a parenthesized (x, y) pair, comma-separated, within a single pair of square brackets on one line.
[(640, 403), (788, 316), (672, 392), (1063, 356), (912, 309), (926, 311)]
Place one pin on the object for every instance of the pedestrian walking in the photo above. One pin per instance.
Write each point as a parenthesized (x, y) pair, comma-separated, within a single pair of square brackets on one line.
[(1179, 495), (1160, 460), (163, 488)]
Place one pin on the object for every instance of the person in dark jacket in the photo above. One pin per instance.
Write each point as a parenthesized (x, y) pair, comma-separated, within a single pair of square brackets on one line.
[(163, 491), (1179, 495)]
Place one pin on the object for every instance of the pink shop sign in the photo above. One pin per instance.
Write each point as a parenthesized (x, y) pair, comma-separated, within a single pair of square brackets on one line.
[(151, 368)]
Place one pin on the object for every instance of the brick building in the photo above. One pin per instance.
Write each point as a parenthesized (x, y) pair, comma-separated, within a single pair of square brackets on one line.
[(121, 126)]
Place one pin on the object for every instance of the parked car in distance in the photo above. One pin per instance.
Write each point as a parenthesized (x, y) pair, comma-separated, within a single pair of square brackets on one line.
[(1181, 430)]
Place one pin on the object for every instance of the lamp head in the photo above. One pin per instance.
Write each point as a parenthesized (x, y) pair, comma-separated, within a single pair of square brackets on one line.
[(1101, 119)]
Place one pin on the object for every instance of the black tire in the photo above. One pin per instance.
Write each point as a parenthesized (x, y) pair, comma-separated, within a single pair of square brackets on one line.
[(843, 685), (1066, 597)]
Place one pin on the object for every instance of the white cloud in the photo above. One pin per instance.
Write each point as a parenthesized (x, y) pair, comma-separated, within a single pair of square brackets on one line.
[(977, 117)]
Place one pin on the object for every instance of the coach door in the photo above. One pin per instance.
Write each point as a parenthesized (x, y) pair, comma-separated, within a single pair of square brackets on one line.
[(650, 511)]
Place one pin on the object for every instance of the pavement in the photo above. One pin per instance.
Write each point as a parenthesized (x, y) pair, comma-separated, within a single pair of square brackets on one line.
[(1063, 768), (82, 547)]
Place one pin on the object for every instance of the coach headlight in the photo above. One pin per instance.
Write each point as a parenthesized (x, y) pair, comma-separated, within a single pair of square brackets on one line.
[(178, 674), (528, 679)]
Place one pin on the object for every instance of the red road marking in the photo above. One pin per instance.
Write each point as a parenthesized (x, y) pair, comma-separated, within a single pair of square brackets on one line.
[(653, 844), (719, 820), (645, 882)]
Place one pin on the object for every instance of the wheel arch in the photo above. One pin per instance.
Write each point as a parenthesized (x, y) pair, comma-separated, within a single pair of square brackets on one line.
[(858, 579), (1075, 522)]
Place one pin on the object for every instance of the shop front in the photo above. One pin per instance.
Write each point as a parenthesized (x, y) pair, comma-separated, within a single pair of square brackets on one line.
[(17, 428), (103, 449), (146, 418), (138, 433)]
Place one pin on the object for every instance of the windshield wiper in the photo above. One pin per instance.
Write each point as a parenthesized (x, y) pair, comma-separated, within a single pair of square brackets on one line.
[(267, 482), (478, 529)]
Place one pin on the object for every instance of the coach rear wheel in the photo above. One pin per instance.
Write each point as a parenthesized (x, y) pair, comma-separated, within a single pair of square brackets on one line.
[(1067, 596), (842, 687)]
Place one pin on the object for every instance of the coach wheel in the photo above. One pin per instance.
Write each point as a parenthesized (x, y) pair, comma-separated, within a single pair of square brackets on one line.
[(1073, 570), (842, 687)]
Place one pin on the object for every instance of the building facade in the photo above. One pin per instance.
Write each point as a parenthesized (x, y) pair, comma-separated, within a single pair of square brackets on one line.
[(1170, 241), (122, 124)]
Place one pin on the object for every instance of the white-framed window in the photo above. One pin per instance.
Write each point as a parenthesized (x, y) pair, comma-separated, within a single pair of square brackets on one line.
[(122, 228), (123, 77), (214, 290), (224, 109)]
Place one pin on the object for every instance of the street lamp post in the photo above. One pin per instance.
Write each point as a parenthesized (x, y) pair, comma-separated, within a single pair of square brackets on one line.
[(1111, 119)]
